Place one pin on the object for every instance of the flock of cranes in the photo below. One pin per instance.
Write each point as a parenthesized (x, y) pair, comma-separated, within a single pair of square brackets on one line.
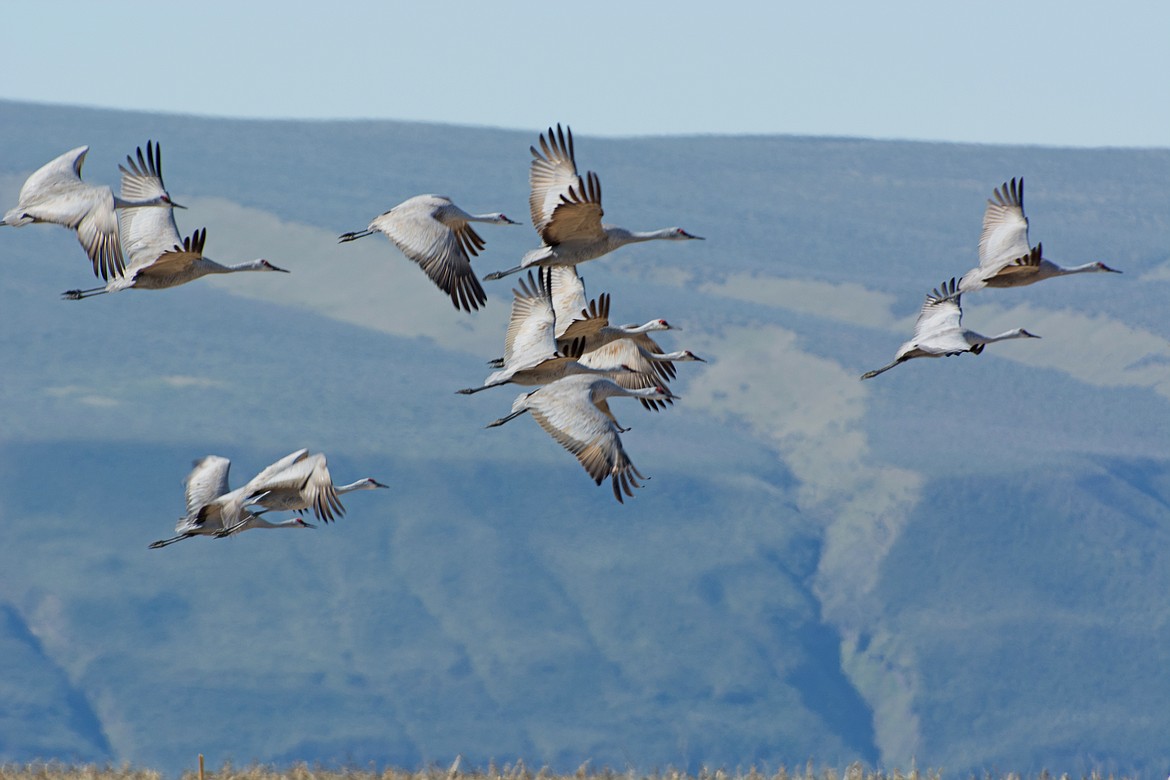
[(557, 340), (1006, 259)]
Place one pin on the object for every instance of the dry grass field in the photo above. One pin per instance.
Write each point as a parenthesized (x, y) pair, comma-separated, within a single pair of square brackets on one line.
[(517, 771)]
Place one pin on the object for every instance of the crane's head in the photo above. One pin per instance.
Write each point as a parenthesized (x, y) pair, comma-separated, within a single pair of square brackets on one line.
[(299, 522), (264, 265), (688, 355), (1103, 267), (500, 219), (166, 199), (369, 483), (678, 234)]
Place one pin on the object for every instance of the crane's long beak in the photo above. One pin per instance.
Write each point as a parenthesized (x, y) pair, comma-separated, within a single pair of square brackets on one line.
[(177, 205)]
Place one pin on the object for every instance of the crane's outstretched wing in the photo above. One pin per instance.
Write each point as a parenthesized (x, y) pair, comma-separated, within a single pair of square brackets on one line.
[(1005, 228), (938, 330), (1021, 267), (275, 468), (583, 428), (55, 193), (174, 261), (588, 323), (310, 478), (146, 232), (530, 338), (207, 481), (564, 206), (568, 295), (626, 353), (442, 248)]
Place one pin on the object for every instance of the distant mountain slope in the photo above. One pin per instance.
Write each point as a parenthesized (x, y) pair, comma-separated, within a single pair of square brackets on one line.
[(956, 563), (42, 714)]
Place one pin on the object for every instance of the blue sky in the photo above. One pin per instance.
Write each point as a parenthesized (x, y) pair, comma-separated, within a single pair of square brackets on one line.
[(1070, 73)]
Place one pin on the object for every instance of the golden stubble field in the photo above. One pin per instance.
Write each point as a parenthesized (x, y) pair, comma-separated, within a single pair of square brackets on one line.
[(516, 771)]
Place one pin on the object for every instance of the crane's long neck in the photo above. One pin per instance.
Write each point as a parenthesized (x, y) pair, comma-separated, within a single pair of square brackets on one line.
[(361, 484), (634, 330), (666, 357), (975, 339), (1077, 269), (216, 268), (260, 522), (601, 391), (620, 236)]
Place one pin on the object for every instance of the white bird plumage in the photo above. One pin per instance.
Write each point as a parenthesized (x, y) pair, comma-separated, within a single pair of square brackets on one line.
[(214, 509), (435, 233), (591, 327), (55, 193), (1006, 259), (575, 412), (297, 482), (646, 364), (300, 482), (566, 211), (939, 331), (158, 257), (531, 356)]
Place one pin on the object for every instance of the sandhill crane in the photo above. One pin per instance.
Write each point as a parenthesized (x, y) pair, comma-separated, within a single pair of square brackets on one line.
[(159, 258), (300, 482), (213, 509), (154, 268), (590, 331), (939, 331), (593, 328), (55, 194), (435, 233), (530, 347), (1006, 259), (566, 211), (574, 411), (646, 367)]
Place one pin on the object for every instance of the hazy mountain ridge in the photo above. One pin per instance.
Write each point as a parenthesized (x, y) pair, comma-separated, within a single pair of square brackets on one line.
[(494, 603)]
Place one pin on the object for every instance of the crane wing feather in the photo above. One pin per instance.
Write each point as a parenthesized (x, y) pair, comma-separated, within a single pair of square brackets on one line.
[(207, 481), (567, 412), (443, 249), (1005, 228), (564, 206), (530, 338)]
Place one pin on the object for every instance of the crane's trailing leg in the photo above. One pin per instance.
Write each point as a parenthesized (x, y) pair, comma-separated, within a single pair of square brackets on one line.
[(354, 235), (501, 274), (882, 370), (77, 295), (503, 420), (172, 540)]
